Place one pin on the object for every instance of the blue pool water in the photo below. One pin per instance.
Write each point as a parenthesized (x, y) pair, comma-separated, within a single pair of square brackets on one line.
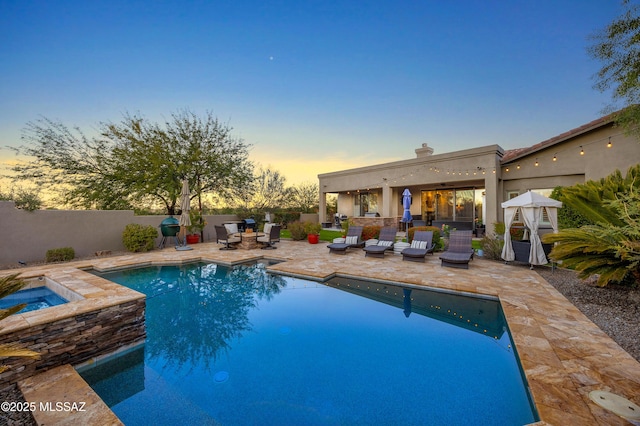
[(35, 298), (241, 346)]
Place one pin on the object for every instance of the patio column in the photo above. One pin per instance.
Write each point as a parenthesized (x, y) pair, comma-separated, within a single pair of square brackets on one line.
[(492, 200), (322, 207), (386, 201)]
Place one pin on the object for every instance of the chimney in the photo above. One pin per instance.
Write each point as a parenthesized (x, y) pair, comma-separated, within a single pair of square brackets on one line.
[(424, 151)]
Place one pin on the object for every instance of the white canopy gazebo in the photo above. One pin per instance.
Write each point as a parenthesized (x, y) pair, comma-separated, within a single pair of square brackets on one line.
[(530, 205)]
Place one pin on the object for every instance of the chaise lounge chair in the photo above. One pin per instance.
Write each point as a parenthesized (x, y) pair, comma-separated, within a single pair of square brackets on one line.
[(385, 242), (222, 237), (352, 240), (421, 245), (460, 251)]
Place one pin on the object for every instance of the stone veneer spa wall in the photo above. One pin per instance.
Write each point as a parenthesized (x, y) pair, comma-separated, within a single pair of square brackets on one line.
[(107, 318)]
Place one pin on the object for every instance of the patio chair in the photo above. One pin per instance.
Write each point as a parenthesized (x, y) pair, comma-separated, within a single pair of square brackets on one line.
[(271, 236), (385, 242), (222, 237), (419, 223), (460, 252), (232, 229), (421, 245), (353, 239)]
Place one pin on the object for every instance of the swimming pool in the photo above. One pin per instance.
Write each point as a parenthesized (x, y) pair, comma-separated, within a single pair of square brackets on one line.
[(35, 298), (241, 346)]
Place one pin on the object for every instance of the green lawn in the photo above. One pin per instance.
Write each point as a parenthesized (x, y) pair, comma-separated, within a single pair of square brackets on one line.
[(325, 235)]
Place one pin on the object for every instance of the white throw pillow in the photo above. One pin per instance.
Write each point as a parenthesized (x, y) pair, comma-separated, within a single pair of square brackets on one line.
[(232, 228), (352, 240), (385, 243), (419, 244)]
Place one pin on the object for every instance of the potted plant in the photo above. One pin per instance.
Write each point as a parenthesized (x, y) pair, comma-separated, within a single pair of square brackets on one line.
[(446, 231), (196, 227), (313, 232)]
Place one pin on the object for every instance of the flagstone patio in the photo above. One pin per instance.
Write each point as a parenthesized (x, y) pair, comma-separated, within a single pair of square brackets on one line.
[(564, 355)]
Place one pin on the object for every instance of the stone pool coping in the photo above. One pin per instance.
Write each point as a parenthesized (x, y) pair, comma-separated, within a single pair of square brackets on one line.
[(564, 355)]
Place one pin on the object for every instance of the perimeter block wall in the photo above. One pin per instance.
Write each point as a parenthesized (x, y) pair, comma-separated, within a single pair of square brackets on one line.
[(26, 236)]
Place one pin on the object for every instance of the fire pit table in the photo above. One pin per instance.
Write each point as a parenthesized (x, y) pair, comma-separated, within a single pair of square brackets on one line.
[(249, 240)]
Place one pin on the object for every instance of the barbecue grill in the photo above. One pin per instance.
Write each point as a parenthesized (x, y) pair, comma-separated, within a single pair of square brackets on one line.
[(249, 223)]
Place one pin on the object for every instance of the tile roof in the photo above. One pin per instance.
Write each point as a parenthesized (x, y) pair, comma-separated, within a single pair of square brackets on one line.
[(512, 154)]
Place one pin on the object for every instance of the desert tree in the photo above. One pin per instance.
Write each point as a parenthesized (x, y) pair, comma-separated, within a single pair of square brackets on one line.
[(76, 168), (268, 190), (617, 46), (305, 196), (135, 161)]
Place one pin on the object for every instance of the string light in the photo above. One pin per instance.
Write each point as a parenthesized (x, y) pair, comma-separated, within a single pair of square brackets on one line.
[(426, 169)]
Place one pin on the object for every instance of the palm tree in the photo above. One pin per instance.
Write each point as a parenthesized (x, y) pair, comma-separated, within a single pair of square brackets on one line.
[(10, 284)]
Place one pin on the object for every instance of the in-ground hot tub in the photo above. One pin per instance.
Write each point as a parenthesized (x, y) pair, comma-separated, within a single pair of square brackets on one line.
[(39, 293)]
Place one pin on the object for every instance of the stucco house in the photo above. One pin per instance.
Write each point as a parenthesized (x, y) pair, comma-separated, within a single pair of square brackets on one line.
[(467, 187)]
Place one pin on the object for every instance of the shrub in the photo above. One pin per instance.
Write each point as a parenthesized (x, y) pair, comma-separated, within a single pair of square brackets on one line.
[(63, 254), (568, 217), (370, 231), (436, 233), (23, 199), (516, 230), (197, 222), (285, 218), (297, 231), (312, 228), (137, 237), (492, 247)]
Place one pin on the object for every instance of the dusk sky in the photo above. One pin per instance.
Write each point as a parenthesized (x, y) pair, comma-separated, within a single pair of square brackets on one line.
[(314, 86)]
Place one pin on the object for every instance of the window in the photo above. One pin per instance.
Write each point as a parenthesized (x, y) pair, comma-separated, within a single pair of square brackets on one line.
[(544, 219), (444, 204), (464, 205), (511, 195), (368, 203)]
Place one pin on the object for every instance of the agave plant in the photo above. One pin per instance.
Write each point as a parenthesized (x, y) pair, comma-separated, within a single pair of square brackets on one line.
[(10, 284)]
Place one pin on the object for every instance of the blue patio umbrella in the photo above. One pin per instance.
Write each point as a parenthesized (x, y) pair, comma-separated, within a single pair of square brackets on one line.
[(406, 203), (406, 301)]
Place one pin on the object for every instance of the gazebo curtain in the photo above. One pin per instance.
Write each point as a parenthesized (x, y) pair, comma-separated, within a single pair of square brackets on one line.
[(552, 214), (507, 250), (531, 217)]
